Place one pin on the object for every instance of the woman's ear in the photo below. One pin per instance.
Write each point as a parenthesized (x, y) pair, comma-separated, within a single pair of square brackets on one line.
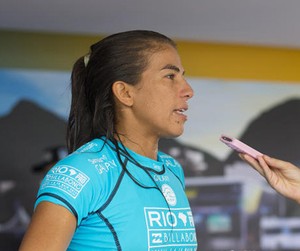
[(123, 92)]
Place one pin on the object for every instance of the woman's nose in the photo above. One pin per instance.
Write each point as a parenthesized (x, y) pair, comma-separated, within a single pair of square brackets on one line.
[(188, 91)]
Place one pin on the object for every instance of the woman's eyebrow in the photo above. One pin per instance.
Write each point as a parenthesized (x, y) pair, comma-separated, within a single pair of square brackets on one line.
[(171, 67)]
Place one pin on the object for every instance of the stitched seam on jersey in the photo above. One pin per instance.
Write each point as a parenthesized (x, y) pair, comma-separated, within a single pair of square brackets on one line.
[(106, 221), (111, 195), (62, 200), (113, 231), (114, 191)]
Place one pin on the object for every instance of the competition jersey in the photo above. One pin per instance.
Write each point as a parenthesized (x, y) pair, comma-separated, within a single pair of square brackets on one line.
[(142, 207)]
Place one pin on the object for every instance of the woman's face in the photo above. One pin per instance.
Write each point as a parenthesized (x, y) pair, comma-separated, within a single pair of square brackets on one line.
[(160, 98)]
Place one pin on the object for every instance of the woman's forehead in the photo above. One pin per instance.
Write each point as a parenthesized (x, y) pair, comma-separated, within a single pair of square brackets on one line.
[(167, 59)]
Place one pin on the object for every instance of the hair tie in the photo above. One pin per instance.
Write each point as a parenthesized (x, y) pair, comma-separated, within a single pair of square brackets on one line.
[(86, 59)]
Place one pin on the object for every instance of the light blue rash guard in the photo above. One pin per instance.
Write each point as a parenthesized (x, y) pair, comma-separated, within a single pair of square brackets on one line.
[(142, 207)]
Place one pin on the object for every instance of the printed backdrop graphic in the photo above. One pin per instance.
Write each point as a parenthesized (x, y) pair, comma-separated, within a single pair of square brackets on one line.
[(233, 207)]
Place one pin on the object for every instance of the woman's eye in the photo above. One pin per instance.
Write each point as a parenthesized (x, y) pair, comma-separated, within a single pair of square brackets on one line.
[(171, 76)]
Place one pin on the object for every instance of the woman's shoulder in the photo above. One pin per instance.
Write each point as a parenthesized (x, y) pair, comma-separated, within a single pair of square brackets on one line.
[(79, 180), (90, 157)]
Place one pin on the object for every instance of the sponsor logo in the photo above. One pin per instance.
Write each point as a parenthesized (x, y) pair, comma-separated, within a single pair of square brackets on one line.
[(169, 194), (170, 229), (66, 178), (162, 178), (170, 163), (102, 164)]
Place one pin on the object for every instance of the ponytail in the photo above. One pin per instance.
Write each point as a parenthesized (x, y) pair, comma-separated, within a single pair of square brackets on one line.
[(80, 117)]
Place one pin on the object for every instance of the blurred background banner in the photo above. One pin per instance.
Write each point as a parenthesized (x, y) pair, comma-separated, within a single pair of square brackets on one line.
[(233, 206)]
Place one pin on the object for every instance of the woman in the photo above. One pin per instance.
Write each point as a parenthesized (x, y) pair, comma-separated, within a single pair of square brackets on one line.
[(283, 176), (116, 191)]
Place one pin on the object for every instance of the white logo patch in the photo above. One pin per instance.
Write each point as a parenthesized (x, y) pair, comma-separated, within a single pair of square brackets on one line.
[(170, 230), (169, 194), (67, 179)]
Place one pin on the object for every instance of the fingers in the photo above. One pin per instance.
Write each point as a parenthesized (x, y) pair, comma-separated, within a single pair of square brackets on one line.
[(252, 162), (277, 163), (267, 172)]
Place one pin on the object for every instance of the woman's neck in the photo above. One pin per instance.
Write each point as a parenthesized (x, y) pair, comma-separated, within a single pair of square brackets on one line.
[(146, 148)]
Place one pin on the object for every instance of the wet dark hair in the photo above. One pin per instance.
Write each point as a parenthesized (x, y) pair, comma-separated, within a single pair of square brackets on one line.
[(120, 57)]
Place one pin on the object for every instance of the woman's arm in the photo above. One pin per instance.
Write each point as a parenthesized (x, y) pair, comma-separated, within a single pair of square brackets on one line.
[(51, 228), (283, 176)]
